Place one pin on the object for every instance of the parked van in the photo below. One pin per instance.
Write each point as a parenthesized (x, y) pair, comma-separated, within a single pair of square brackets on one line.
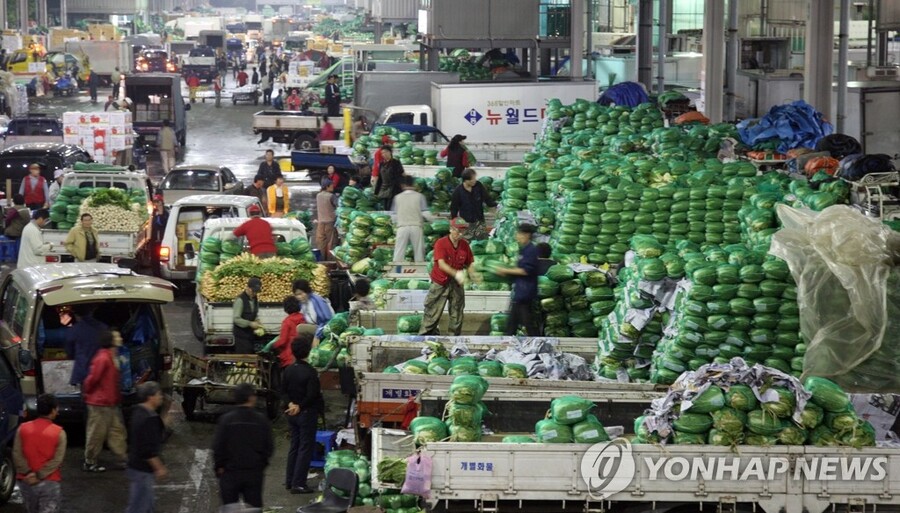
[(11, 406), (186, 218), (37, 306)]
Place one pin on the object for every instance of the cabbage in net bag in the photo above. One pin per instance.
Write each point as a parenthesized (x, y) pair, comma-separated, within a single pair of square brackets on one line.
[(570, 409), (549, 431), (468, 389), (590, 431), (427, 429)]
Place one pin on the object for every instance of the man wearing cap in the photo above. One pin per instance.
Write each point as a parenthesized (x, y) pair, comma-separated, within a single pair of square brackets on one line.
[(53, 191), (524, 285), (34, 188), (326, 215), (258, 232), (258, 190), (245, 315), (457, 155), (453, 258)]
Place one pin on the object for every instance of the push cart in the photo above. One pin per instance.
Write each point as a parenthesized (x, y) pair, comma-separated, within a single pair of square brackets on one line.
[(212, 380), (248, 93)]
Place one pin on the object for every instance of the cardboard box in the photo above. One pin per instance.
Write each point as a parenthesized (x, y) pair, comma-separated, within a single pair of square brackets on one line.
[(181, 231), (324, 148), (117, 118), (75, 139), (104, 32)]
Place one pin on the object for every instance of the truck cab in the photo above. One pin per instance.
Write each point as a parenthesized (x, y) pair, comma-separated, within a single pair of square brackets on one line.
[(181, 236), (154, 60), (202, 62), (406, 115), (156, 97), (36, 312)]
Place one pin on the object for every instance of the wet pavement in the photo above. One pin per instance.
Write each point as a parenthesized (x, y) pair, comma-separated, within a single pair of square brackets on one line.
[(215, 136)]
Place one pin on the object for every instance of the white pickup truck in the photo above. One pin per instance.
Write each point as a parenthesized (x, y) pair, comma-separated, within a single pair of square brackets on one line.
[(514, 402), (616, 477), (212, 322), (288, 127), (113, 246), (186, 218)]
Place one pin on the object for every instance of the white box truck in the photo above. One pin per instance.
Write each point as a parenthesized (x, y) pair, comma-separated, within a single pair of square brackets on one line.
[(104, 56), (489, 113)]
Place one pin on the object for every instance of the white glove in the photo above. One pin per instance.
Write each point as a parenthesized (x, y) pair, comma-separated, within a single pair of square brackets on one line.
[(460, 277)]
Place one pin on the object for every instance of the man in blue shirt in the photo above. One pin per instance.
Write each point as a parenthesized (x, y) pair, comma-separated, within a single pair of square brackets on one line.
[(524, 285)]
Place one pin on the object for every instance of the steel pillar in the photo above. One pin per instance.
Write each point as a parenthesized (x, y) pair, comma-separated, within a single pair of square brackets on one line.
[(63, 14), (712, 81), (818, 70), (23, 16), (843, 48), (576, 50), (731, 59), (663, 31), (645, 44)]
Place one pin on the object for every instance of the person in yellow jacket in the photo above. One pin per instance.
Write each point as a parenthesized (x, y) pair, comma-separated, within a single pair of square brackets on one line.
[(278, 198), (83, 240)]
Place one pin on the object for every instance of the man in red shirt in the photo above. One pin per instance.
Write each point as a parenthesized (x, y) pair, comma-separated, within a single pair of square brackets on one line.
[(102, 395), (453, 259), (38, 451), (242, 78), (259, 234)]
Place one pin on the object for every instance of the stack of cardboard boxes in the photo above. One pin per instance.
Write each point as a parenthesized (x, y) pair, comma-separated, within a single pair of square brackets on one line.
[(102, 134)]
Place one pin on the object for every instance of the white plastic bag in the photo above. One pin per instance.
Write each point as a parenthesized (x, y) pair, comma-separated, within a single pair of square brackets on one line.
[(847, 291), (418, 475)]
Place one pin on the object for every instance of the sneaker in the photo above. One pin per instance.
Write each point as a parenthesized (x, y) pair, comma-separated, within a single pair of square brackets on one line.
[(301, 490), (92, 467)]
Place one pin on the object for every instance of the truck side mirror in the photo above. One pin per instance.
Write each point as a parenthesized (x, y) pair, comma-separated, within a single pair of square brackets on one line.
[(189, 251)]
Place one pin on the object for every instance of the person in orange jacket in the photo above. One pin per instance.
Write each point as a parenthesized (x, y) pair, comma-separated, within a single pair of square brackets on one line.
[(278, 198)]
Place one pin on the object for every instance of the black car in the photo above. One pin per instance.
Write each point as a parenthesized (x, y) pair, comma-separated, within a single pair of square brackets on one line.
[(14, 161)]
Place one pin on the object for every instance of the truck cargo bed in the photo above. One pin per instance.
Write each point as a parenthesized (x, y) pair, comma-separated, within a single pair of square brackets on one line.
[(493, 476)]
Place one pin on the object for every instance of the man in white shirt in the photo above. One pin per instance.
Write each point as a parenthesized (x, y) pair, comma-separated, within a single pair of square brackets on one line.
[(412, 212), (32, 247), (166, 143)]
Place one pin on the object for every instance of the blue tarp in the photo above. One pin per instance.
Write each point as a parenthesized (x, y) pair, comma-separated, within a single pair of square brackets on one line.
[(795, 125), (627, 94)]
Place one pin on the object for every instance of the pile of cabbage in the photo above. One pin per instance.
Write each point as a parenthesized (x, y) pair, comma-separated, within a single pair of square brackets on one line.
[(574, 304), (733, 403), (734, 302), (402, 142), (628, 337), (463, 415)]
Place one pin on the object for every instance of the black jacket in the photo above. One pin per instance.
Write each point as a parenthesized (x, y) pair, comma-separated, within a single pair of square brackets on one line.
[(390, 175), (300, 385), (269, 173), (243, 440), (470, 205), (145, 440)]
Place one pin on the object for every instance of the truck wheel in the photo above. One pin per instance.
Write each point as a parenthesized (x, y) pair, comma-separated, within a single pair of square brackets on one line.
[(197, 324), (182, 139), (304, 142), (189, 402), (7, 476)]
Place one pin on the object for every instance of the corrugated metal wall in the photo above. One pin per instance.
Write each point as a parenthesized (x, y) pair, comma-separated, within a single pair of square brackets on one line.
[(394, 9), (482, 19)]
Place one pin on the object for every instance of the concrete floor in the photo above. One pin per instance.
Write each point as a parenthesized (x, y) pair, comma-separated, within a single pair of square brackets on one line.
[(216, 136)]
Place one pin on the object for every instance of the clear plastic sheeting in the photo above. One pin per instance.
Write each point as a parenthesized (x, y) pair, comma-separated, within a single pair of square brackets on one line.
[(848, 291)]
